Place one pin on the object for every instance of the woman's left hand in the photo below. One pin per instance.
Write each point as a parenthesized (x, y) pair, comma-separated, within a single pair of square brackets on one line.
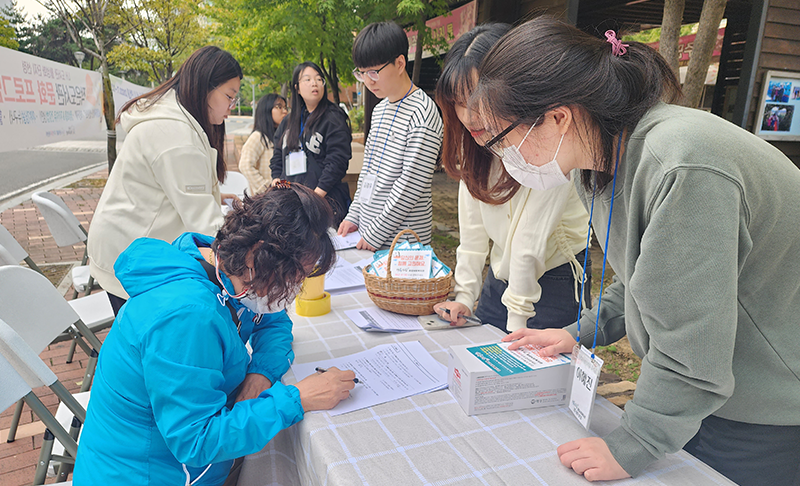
[(320, 192), (223, 197), (591, 458), (252, 386)]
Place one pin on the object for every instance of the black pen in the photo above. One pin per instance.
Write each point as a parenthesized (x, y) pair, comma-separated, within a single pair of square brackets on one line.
[(323, 370), (471, 319)]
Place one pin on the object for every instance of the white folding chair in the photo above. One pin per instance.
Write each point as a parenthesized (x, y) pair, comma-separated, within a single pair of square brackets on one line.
[(235, 183), (94, 310), (11, 252), (66, 231), (21, 370), (33, 308)]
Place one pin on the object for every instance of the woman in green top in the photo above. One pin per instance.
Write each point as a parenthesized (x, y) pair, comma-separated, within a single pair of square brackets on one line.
[(702, 236)]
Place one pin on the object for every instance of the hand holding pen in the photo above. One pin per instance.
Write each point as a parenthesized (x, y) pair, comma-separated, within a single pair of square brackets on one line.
[(456, 313), (323, 370), (324, 390)]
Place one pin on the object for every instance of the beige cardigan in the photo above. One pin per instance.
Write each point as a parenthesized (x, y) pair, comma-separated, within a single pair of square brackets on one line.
[(254, 162)]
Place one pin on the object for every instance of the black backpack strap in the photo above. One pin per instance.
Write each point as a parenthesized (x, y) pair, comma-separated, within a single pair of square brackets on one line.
[(211, 272)]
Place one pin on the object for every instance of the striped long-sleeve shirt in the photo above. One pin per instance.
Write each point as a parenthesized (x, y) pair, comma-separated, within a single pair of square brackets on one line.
[(401, 151)]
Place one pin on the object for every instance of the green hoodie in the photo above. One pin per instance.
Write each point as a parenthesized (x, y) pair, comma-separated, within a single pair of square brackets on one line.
[(705, 242)]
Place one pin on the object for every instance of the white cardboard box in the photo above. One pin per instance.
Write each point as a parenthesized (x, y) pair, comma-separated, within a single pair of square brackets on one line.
[(479, 389)]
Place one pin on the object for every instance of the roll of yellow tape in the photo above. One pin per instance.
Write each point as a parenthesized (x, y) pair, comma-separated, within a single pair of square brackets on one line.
[(313, 307), (313, 288)]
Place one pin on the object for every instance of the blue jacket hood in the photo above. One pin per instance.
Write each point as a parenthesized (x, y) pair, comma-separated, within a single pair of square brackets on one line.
[(148, 263)]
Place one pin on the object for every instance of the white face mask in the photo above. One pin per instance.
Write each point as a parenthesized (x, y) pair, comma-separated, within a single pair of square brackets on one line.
[(540, 178), (260, 305)]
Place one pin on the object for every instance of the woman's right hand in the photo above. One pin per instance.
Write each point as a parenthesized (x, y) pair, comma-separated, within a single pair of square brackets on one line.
[(323, 391), (275, 181), (554, 340), (456, 311), (346, 228)]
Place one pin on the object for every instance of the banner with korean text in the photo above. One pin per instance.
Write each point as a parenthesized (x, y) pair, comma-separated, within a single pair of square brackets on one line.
[(43, 101)]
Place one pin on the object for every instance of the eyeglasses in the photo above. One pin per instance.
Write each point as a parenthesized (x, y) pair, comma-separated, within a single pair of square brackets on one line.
[(497, 144), (373, 74), (310, 80), (280, 106), (233, 100)]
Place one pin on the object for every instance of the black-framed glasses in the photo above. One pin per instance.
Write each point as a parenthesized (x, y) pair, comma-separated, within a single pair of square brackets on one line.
[(494, 146), (373, 74)]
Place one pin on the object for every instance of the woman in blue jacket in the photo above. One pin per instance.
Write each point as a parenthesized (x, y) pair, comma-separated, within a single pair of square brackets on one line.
[(177, 397)]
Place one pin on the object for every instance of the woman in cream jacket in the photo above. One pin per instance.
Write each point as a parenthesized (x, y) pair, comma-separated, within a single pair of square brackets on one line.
[(538, 236), (257, 150), (166, 178)]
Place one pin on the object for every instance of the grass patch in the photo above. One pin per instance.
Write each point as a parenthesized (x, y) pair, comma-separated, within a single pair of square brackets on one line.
[(90, 183)]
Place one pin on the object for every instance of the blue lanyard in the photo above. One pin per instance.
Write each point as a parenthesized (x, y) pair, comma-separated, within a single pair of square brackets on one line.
[(372, 153), (302, 125), (605, 253)]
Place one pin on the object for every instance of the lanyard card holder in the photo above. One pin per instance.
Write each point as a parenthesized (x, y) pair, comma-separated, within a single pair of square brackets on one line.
[(367, 187), (584, 384), (296, 163)]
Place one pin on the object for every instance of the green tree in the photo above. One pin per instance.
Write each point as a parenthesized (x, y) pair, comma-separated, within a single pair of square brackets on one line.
[(269, 37), (417, 12), (90, 16), (8, 36), (158, 35), (48, 38)]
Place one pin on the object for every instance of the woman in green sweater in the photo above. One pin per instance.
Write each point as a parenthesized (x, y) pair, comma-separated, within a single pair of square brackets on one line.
[(702, 236)]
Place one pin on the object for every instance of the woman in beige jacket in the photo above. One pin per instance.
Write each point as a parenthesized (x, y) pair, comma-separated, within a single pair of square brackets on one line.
[(257, 150)]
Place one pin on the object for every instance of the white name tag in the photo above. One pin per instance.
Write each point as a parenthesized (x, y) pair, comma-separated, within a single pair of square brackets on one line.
[(367, 186), (296, 163), (584, 385)]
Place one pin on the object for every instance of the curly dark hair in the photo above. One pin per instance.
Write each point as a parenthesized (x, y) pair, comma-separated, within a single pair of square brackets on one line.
[(286, 228)]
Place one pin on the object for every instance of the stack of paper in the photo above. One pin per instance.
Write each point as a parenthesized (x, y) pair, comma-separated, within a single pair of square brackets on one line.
[(344, 242), (345, 277), (375, 319), (385, 373)]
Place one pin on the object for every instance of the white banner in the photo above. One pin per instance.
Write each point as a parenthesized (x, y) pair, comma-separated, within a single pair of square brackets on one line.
[(43, 101)]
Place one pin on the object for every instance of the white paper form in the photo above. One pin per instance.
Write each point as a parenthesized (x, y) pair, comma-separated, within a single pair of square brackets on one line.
[(386, 372), (375, 319), (344, 242), (344, 277)]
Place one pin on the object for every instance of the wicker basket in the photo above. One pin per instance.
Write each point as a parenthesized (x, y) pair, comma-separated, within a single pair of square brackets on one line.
[(414, 297)]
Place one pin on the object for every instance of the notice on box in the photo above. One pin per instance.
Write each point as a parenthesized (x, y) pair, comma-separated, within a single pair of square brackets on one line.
[(412, 264), (506, 362)]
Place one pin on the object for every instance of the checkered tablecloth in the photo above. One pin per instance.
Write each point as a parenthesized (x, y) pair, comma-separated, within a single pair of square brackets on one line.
[(428, 439)]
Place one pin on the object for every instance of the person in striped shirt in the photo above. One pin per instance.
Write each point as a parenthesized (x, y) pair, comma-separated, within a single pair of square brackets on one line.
[(394, 187)]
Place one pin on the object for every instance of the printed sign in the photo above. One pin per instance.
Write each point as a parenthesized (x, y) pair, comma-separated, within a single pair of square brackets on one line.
[(43, 101), (449, 27), (413, 264), (780, 98)]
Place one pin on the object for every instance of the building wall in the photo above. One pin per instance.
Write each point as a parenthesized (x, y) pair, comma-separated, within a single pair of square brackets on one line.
[(516, 12), (780, 51)]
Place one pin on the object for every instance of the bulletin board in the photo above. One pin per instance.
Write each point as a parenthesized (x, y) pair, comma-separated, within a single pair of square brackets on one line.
[(778, 110)]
